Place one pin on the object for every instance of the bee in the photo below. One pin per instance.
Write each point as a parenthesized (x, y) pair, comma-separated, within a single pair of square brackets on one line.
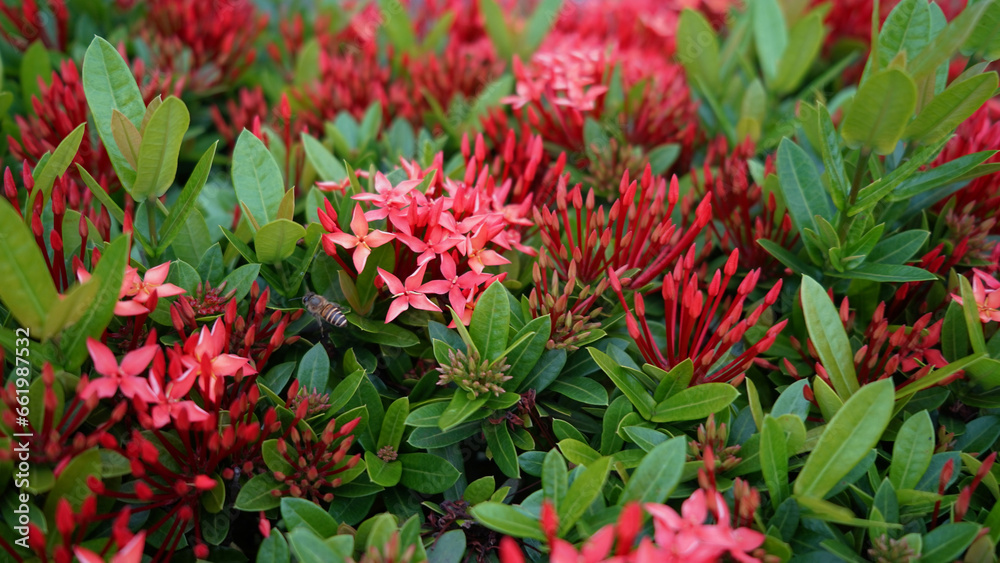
[(324, 309)]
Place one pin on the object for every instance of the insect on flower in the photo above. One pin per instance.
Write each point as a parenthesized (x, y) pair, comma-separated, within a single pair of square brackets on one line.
[(324, 309)]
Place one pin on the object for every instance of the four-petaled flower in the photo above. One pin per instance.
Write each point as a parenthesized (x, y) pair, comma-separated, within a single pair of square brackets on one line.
[(124, 376), (412, 293), (203, 358), (362, 241), (986, 292)]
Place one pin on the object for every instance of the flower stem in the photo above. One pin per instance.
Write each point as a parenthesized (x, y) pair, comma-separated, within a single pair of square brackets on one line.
[(151, 218)]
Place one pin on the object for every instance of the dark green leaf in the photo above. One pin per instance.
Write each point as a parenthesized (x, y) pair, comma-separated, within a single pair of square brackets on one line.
[(657, 474), (490, 322)]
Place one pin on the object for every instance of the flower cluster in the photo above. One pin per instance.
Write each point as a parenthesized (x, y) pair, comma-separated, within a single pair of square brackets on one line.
[(474, 375)]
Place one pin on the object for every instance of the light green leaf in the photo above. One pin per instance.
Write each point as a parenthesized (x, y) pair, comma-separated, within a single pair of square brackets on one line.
[(506, 519), (801, 187), (695, 402), (828, 336), (276, 241), (911, 454), (257, 178), (490, 322), (951, 107), (880, 111), (26, 287), (60, 160), (188, 199), (846, 439)]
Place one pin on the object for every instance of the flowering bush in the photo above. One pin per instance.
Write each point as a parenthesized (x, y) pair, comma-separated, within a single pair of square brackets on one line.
[(394, 281)]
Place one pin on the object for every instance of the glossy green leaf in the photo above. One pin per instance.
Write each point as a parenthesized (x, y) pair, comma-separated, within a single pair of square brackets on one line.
[(328, 168), (394, 423), (846, 439), (695, 402), (502, 447), (881, 109), (111, 270), (698, 49), (314, 369), (304, 513), (625, 382), (770, 34), (946, 543), (426, 473), (582, 389), (310, 548), (886, 273), (584, 490), (188, 199), (109, 85), (774, 456), (828, 336), (801, 187), (35, 65), (523, 357), (507, 520), (257, 178), (944, 45), (555, 477), (907, 28), (274, 549), (490, 322), (277, 240), (972, 320), (26, 287), (912, 451), (804, 42), (60, 160), (658, 473), (460, 408), (951, 107)]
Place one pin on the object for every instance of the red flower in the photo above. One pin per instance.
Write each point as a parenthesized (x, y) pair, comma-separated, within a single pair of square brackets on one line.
[(124, 376), (362, 241), (412, 293)]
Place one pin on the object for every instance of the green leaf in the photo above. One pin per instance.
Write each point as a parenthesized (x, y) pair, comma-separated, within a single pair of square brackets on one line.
[(790, 260), (846, 439), (673, 381), (160, 147), (886, 273), (770, 34), (60, 160), (394, 423), (907, 28), (496, 27), (774, 456), (658, 473), (328, 168), (70, 306), (111, 270), (507, 520), (880, 111), (698, 49), (71, 485), (113, 209), (256, 494), (804, 43), (449, 547), (277, 240), (309, 548), (582, 493), (555, 477), (314, 369), (273, 459), (947, 42), (972, 320), (801, 187), (695, 402), (257, 178), (946, 543), (26, 287), (582, 389), (480, 490), (523, 357), (490, 322), (538, 25), (898, 248), (303, 513), (35, 64), (188, 199), (396, 22), (951, 107), (460, 409), (833, 162), (828, 336), (625, 382), (274, 549), (938, 375), (426, 473), (109, 85), (911, 454), (502, 447)]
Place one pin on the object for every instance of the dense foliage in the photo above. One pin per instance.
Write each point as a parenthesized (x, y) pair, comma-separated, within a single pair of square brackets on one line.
[(497, 280)]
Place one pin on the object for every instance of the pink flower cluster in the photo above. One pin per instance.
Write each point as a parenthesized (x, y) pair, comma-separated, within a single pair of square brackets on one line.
[(682, 538), (142, 374), (986, 292), (454, 229)]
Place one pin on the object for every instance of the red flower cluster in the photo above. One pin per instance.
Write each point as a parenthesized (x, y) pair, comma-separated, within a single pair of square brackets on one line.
[(691, 329), (456, 229), (980, 199)]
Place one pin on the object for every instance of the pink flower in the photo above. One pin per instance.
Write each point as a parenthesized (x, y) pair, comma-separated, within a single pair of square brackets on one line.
[(474, 248), (204, 358), (124, 376), (689, 539), (412, 292), (986, 292), (129, 553), (362, 241), (141, 289), (170, 398), (388, 198)]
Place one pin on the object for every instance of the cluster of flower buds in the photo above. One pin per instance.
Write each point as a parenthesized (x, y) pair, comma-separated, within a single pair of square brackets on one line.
[(743, 213), (28, 24), (573, 313), (471, 374), (702, 326), (712, 441), (314, 461)]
